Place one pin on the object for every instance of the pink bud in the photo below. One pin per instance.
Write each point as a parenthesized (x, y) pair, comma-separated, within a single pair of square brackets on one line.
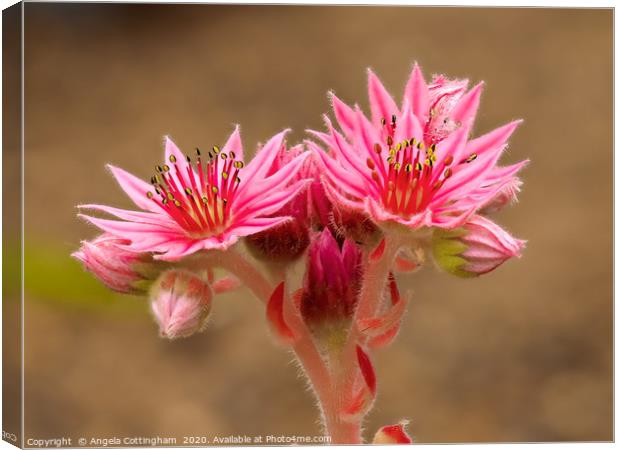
[(392, 434), (181, 303), (331, 282), (477, 248), (120, 269)]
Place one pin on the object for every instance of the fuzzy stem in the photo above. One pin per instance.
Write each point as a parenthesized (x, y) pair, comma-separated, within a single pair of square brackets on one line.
[(326, 392), (371, 294)]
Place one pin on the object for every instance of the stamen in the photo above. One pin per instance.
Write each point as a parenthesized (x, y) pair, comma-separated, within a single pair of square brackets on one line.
[(471, 158)]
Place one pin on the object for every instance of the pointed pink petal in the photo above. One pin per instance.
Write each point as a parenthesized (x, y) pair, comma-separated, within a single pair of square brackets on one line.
[(135, 188), (416, 92), (366, 137), (234, 144), (492, 140), (382, 105), (344, 115), (346, 154), (270, 204), (408, 126), (120, 229), (275, 181), (133, 216), (263, 160), (256, 225), (467, 107), (337, 198), (337, 174), (171, 149)]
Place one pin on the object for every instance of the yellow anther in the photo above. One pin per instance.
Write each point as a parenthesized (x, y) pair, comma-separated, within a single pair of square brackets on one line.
[(173, 159), (216, 149), (149, 195)]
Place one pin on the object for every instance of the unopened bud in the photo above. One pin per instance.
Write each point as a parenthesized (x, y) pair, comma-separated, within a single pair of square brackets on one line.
[(120, 269), (331, 285), (475, 249), (181, 303), (392, 434)]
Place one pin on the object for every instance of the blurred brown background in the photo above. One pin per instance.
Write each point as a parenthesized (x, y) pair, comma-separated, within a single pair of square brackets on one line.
[(523, 354)]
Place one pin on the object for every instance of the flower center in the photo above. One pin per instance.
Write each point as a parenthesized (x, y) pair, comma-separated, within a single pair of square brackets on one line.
[(199, 194), (413, 173)]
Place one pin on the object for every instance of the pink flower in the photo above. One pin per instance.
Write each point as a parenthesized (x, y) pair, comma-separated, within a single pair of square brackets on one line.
[(479, 247), (115, 265), (415, 165), (208, 202), (332, 280), (181, 303)]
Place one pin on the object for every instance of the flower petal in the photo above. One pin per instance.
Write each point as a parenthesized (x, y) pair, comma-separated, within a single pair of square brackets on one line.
[(134, 187), (382, 105), (416, 92)]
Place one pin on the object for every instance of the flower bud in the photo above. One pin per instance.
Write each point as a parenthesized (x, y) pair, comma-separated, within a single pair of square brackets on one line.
[(331, 283), (122, 270), (477, 248), (181, 303), (392, 434)]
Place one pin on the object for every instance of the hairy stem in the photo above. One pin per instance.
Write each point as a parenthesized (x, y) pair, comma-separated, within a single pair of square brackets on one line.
[(326, 391)]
